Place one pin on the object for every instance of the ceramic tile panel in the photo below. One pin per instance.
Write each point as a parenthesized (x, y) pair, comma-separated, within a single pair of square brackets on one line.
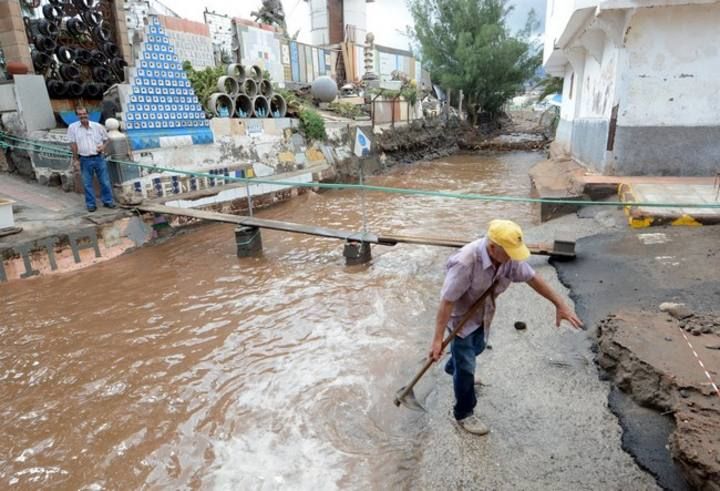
[(163, 109)]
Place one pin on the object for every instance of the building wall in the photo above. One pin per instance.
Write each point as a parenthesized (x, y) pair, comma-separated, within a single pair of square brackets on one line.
[(319, 22), (563, 135), (669, 95), (191, 40), (221, 33), (647, 101), (596, 97), (258, 46), (670, 74), (557, 15), (355, 15)]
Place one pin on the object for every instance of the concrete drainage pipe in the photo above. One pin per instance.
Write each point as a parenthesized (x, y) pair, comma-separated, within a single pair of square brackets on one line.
[(237, 71), (243, 106), (228, 85), (256, 73), (266, 88), (278, 106), (221, 105), (261, 107), (250, 88)]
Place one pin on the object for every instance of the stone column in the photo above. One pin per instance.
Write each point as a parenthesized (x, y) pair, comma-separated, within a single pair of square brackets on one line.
[(13, 39)]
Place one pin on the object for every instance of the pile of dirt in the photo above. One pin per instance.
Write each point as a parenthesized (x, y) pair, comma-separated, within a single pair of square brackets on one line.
[(650, 357), (424, 139)]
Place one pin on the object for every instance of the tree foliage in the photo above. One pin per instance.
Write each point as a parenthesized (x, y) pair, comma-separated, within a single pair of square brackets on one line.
[(467, 46), (550, 85)]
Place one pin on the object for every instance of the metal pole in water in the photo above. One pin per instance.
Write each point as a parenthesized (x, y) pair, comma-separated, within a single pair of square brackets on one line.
[(363, 200), (249, 197)]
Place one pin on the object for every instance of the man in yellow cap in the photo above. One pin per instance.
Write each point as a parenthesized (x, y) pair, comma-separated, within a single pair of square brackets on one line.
[(494, 262)]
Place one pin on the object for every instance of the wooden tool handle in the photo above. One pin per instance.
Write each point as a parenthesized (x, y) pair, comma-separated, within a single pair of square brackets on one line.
[(473, 309)]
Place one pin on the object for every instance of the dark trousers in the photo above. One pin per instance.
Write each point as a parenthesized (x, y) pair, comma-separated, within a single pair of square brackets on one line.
[(461, 365)]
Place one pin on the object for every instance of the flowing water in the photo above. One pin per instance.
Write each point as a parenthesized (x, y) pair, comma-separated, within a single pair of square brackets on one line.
[(181, 366)]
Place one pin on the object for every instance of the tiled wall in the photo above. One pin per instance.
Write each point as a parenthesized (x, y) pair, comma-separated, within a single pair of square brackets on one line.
[(194, 48), (162, 109)]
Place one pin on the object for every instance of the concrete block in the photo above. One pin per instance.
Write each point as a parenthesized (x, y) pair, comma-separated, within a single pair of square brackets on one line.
[(11, 23), (7, 98), (221, 127), (237, 127), (9, 8), (286, 157), (14, 36), (270, 127), (357, 101), (283, 123), (254, 127), (313, 155), (297, 139), (300, 158), (34, 102)]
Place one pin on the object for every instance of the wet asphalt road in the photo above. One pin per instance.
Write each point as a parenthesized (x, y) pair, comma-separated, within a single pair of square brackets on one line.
[(641, 269)]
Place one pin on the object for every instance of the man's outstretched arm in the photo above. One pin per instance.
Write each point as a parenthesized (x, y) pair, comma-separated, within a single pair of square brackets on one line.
[(562, 311)]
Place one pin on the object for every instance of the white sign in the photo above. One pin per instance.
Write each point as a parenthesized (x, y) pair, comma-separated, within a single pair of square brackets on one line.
[(362, 144)]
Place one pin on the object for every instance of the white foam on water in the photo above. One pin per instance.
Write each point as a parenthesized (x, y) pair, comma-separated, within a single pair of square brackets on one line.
[(261, 460)]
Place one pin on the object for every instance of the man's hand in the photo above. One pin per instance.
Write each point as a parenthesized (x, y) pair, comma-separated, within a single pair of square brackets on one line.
[(76, 163), (436, 351), (563, 312)]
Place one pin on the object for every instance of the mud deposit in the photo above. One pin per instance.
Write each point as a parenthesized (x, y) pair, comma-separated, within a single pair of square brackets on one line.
[(649, 358), (630, 274)]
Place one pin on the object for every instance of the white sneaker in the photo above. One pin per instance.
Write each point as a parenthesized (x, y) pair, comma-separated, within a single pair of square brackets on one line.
[(472, 424)]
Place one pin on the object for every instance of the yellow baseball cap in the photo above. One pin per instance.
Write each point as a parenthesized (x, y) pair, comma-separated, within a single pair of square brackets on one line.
[(509, 236)]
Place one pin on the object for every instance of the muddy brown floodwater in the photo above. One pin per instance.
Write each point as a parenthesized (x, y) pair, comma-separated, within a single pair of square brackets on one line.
[(181, 366)]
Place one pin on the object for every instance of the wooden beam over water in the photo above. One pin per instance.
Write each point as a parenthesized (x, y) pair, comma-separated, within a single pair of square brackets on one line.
[(558, 249)]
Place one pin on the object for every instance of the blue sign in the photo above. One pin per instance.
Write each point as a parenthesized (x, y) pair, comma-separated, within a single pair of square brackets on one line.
[(295, 61)]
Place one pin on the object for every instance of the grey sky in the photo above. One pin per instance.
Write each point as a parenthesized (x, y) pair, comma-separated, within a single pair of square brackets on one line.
[(387, 19)]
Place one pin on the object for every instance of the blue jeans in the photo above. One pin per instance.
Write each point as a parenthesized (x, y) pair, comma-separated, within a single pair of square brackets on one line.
[(461, 365), (97, 165)]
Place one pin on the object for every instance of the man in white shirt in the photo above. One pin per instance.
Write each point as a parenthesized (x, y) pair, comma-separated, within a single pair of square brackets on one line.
[(88, 141)]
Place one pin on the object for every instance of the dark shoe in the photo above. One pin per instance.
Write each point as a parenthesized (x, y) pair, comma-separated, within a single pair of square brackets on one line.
[(111, 205), (91, 209)]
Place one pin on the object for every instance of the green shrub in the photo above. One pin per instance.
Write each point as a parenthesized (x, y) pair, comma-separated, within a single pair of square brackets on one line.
[(312, 124), (345, 109), (203, 82)]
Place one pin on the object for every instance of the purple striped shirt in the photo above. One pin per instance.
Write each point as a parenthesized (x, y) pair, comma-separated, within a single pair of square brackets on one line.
[(470, 272)]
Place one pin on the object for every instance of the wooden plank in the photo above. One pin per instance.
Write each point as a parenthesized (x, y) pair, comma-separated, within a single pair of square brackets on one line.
[(560, 249), (262, 223)]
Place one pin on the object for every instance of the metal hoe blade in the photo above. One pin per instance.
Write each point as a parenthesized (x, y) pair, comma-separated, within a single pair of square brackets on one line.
[(409, 400)]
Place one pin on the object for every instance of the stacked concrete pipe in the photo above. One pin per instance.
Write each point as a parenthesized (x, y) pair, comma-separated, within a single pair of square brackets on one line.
[(249, 92), (250, 88), (221, 105), (278, 106), (261, 107), (228, 85), (243, 106)]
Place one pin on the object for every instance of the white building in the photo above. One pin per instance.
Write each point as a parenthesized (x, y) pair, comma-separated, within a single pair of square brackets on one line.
[(335, 21), (642, 85)]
